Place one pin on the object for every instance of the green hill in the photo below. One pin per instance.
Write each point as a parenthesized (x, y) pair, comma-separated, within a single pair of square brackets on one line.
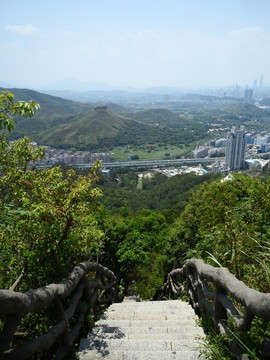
[(246, 110), (101, 129), (86, 129), (53, 111), (161, 117), (119, 109), (49, 102)]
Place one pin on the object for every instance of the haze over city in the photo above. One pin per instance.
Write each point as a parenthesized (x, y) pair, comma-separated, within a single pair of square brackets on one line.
[(140, 44)]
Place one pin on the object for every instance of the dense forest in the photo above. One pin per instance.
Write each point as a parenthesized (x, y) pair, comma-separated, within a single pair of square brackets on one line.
[(54, 218)]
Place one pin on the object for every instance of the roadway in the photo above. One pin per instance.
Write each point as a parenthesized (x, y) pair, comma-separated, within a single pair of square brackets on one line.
[(151, 163)]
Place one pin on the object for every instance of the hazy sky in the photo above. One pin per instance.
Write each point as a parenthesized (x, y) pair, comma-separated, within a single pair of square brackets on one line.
[(141, 43)]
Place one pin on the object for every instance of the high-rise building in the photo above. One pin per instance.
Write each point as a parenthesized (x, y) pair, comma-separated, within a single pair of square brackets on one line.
[(255, 84), (261, 82), (236, 149), (248, 96)]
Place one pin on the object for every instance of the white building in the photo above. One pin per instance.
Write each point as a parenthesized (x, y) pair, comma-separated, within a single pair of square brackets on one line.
[(261, 140), (200, 152)]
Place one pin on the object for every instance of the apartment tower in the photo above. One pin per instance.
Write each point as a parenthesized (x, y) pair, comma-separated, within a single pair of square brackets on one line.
[(236, 149)]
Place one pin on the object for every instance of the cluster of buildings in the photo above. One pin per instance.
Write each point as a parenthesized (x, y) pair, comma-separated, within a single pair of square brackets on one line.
[(258, 143), (235, 152), (211, 149), (237, 146), (55, 156), (198, 170)]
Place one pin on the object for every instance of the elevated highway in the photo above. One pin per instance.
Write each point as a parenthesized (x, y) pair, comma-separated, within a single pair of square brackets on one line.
[(151, 163)]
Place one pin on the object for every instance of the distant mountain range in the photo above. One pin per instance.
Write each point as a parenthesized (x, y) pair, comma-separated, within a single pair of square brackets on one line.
[(82, 91), (77, 90), (6, 85), (72, 84), (63, 123)]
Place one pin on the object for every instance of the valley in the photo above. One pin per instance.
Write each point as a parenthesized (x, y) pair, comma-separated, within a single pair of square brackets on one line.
[(150, 131)]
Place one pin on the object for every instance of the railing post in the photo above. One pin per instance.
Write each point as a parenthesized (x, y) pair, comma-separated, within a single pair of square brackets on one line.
[(94, 295), (220, 313), (59, 309), (266, 351), (9, 329), (190, 289)]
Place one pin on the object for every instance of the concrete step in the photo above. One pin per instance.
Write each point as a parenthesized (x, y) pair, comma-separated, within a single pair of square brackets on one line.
[(142, 336), (126, 344), (162, 330), (147, 316), (152, 304), (144, 330), (145, 323), (140, 355)]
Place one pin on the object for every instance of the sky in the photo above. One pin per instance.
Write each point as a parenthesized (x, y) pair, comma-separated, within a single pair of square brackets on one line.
[(142, 43)]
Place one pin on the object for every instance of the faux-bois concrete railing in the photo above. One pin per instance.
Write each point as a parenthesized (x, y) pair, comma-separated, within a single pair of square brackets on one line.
[(71, 299), (219, 303)]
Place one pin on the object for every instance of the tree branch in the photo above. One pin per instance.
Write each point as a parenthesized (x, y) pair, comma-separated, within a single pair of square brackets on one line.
[(19, 279), (65, 232)]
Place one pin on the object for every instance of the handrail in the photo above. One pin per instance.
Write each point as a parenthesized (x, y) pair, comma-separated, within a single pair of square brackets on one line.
[(77, 290), (220, 303)]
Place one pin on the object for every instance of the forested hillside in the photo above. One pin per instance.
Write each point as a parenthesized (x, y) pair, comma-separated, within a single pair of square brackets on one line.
[(160, 117), (103, 130), (168, 195), (54, 111)]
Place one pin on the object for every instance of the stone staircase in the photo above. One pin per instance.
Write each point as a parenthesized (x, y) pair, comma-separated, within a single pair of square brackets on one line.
[(149, 330)]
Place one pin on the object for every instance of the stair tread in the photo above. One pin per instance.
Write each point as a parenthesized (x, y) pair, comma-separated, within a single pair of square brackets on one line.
[(125, 343), (144, 323), (144, 330), (139, 331), (140, 355)]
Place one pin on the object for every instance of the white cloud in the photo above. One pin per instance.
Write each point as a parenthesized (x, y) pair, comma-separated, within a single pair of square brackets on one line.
[(248, 31), (44, 52), (28, 29), (69, 34)]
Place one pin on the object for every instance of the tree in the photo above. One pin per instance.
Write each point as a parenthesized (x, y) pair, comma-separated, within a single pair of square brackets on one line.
[(47, 220), (228, 223), (9, 108), (134, 249)]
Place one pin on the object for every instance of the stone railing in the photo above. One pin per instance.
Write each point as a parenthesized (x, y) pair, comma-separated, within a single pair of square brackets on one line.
[(69, 300), (215, 292)]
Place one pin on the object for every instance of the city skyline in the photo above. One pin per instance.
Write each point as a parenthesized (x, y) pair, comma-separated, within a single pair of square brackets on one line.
[(143, 44)]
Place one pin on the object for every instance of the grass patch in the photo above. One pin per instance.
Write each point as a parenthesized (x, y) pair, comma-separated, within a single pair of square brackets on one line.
[(147, 152), (139, 183)]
